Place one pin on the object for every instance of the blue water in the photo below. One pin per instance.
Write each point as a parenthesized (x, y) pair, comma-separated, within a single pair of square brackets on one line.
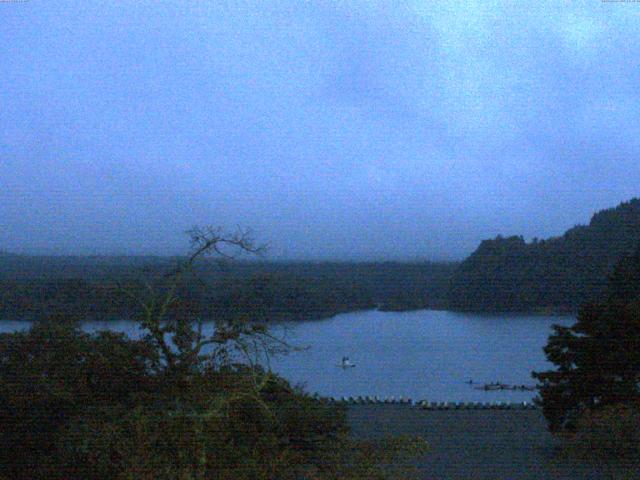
[(424, 354)]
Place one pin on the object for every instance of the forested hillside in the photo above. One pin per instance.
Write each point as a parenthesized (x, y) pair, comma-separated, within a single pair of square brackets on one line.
[(91, 287), (554, 275)]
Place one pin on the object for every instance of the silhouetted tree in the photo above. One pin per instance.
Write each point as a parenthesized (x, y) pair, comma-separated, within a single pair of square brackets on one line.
[(179, 338), (597, 358)]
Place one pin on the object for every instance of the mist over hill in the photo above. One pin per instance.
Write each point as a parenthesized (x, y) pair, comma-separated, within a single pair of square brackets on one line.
[(506, 274)]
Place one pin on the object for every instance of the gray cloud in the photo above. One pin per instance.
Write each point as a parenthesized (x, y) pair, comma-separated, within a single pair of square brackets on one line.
[(335, 130)]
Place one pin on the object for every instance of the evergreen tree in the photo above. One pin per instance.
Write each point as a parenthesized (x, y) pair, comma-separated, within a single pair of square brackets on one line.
[(598, 358)]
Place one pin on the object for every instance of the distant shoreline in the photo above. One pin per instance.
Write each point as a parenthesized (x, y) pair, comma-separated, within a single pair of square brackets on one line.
[(329, 317)]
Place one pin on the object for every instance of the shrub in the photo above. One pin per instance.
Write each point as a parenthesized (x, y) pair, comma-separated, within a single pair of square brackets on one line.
[(613, 431), (77, 406), (52, 373)]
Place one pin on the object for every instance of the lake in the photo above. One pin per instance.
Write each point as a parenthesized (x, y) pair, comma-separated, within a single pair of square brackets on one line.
[(425, 354)]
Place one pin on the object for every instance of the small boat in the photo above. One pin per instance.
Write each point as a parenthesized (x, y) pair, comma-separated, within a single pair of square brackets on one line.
[(488, 386), (504, 386), (524, 388), (346, 363)]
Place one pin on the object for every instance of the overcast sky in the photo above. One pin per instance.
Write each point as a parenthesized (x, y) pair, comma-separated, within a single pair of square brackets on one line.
[(334, 129)]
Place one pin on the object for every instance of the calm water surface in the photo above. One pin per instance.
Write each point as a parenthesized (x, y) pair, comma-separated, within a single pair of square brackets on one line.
[(424, 354)]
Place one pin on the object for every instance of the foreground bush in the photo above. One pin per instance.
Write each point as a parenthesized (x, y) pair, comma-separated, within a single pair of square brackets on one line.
[(77, 406), (613, 431), (53, 373)]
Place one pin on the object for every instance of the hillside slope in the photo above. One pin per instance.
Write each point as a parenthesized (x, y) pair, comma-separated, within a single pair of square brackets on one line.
[(554, 275)]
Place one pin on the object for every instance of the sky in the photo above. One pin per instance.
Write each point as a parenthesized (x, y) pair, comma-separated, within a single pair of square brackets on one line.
[(335, 130)]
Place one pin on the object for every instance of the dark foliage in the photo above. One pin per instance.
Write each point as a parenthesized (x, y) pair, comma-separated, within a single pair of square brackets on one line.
[(555, 275), (77, 406), (83, 287), (611, 431), (53, 373), (598, 358)]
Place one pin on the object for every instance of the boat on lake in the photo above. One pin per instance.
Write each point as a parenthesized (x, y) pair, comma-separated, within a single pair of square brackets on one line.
[(346, 363), (503, 386)]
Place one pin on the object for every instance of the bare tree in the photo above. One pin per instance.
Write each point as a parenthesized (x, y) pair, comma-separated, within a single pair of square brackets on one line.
[(179, 339)]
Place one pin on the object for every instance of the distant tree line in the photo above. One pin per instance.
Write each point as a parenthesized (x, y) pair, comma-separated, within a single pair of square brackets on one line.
[(82, 287), (506, 274)]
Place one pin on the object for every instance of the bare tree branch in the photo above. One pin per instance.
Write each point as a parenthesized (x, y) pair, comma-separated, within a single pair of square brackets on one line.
[(182, 350)]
